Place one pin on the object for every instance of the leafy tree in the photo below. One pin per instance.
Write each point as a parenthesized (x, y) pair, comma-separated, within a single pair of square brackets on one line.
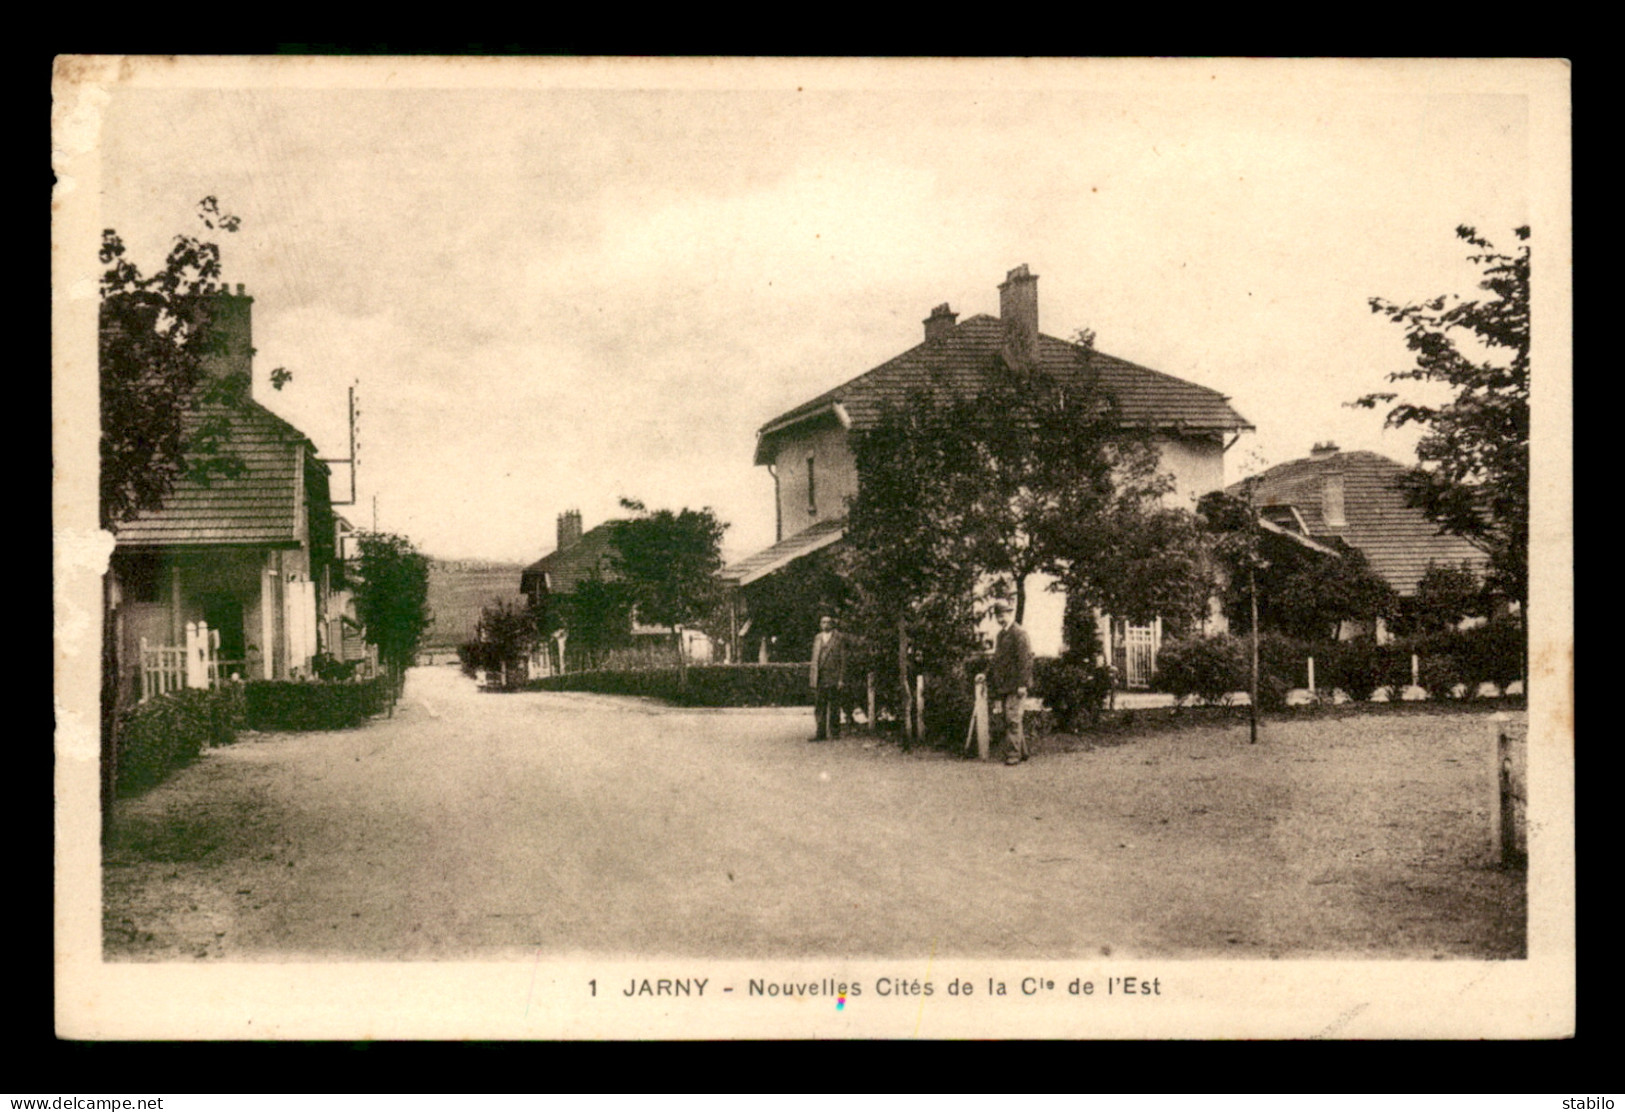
[(509, 632), (597, 617), (1473, 480), (668, 561), (1051, 477), (1309, 596), (159, 407), (1300, 592), (908, 557), (154, 337), (391, 584), (1444, 596), (1138, 563)]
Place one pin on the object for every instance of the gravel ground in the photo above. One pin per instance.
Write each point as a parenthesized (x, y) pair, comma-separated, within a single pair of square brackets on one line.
[(495, 826)]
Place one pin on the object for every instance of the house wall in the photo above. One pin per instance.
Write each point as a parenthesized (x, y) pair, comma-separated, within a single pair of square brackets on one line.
[(835, 475), (1197, 465)]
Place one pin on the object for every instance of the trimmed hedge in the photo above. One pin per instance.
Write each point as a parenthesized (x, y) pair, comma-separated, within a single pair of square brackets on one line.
[(156, 737), (1211, 668), (281, 705), (709, 685)]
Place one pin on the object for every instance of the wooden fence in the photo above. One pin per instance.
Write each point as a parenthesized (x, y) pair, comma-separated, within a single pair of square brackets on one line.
[(194, 664)]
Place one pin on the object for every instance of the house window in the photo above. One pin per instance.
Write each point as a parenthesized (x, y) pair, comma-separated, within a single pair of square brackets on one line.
[(812, 487)]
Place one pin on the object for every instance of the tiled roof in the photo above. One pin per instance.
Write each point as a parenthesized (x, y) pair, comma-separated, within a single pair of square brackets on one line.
[(771, 559), (258, 507), (565, 567), (1398, 540), (959, 361)]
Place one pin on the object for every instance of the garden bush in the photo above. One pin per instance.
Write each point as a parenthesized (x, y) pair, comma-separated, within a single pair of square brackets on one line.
[(474, 655), (1075, 692), (949, 702), (1440, 674), (330, 669), (1283, 664), (1208, 668), (282, 705), (164, 733), (1359, 667), (1488, 654)]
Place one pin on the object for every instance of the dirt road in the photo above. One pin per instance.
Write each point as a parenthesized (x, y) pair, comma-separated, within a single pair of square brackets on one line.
[(479, 825)]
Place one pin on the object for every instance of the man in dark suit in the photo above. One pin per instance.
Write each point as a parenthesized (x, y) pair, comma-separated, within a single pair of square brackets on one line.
[(828, 678), (1009, 678)]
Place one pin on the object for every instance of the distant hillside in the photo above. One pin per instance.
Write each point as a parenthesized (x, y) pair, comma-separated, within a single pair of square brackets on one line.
[(459, 590)]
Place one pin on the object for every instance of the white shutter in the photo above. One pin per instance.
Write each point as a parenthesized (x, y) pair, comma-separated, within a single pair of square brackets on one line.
[(299, 614)]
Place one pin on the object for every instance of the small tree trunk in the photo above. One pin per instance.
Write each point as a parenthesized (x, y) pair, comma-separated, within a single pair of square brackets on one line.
[(902, 678), (1021, 598), (1252, 699), (109, 706), (1523, 617)]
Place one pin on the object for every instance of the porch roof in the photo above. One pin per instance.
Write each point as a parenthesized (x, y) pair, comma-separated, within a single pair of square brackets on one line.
[(260, 506), (774, 557)]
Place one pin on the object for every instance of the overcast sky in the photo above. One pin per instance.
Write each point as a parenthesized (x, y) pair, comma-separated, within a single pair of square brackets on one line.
[(554, 297)]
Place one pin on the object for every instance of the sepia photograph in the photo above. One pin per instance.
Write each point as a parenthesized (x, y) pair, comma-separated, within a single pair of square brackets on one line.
[(805, 548)]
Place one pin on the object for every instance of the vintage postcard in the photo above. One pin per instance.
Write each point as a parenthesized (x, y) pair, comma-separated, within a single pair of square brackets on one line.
[(730, 549)]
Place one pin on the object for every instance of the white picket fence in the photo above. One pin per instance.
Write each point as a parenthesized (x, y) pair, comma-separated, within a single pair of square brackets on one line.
[(195, 664)]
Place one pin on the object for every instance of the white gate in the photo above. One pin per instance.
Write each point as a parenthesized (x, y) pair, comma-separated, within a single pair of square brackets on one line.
[(195, 664), (1140, 654)]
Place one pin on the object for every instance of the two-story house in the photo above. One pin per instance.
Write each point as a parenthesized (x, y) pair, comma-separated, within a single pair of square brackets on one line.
[(251, 556), (807, 449)]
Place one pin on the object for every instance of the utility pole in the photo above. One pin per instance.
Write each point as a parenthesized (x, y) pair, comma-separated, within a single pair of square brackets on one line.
[(1252, 595)]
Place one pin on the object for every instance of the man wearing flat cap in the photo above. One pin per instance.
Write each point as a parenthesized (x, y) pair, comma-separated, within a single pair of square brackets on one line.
[(828, 678), (1009, 678)]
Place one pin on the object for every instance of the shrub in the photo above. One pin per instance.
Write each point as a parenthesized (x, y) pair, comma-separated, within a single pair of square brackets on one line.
[(162, 734), (1439, 675), (1209, 668), (1075, 692), (1359, 667), (474, 655), (949, 702), (1283, 663), (281, 705), (1272, 690), (332, 670), (1492, 653)]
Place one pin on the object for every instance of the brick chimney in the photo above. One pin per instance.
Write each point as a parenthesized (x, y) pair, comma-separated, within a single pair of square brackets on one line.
[(939, 322), (1018, 309), (229, 317), (569, 528), (1324, 450)]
